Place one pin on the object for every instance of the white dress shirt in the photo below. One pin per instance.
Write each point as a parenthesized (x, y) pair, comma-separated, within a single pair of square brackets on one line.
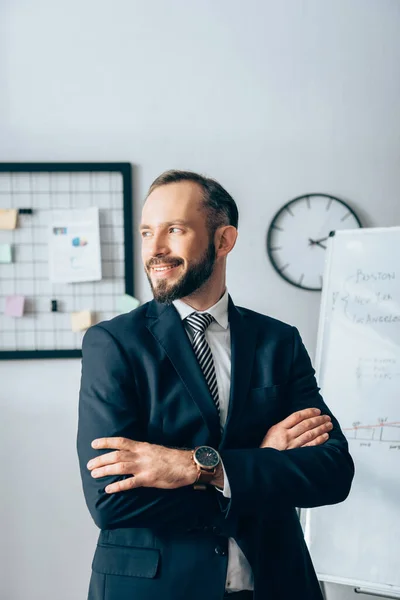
[(239, 574)]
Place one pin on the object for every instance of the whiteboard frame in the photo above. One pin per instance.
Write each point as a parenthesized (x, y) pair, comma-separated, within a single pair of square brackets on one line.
[(364, 587), (324, 300)]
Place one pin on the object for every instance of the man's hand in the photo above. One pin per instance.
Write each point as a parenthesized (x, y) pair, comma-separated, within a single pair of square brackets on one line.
[(303, 428), (150, 465)]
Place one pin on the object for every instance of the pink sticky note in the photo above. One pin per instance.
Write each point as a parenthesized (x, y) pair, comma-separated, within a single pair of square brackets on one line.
[(14, 306)]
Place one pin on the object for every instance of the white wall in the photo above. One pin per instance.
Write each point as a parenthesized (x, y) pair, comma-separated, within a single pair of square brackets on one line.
[(274, 99)]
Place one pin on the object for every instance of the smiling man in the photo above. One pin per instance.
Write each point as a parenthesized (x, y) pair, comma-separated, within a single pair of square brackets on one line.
[(179, 253), (201, 426)]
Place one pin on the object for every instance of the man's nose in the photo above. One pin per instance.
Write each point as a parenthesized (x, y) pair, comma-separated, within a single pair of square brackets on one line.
[(158, 246)]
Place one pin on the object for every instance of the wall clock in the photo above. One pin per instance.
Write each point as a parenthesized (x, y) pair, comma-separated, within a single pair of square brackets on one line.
[(297, 237)]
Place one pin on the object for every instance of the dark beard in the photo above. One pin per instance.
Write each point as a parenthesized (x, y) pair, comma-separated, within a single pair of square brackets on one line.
[(196, 275)]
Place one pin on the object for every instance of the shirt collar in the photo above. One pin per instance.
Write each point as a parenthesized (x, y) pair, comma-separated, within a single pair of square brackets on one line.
[(219, 310)]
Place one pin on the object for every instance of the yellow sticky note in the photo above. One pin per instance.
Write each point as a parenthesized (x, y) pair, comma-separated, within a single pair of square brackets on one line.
[(8, 218), (81, 320)]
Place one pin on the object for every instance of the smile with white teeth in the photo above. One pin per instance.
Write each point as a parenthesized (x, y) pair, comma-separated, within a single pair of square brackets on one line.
[(159, 269)]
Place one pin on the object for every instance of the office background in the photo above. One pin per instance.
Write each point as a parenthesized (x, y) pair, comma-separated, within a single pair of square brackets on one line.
[(274, 99)]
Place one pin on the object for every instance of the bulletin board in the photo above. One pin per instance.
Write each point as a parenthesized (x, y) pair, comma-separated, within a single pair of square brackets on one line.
[(37, 191)]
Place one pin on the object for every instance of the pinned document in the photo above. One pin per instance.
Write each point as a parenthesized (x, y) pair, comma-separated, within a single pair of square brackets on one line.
[(14, 306), (80, 321), (8, 218), (126, 303), (5, 253), (74, 246)]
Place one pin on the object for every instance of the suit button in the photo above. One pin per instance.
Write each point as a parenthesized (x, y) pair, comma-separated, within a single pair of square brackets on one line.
[(220, 551)]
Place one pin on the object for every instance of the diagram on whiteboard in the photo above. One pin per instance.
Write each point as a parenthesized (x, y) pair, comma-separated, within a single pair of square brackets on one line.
[(382, 431)]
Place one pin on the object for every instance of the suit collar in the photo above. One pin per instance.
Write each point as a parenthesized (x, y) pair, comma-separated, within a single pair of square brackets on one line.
[(219, 310), (243, 345), (165, 324)]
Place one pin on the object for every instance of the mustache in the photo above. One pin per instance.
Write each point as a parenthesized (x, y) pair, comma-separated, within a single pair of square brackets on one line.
[(154, 262)]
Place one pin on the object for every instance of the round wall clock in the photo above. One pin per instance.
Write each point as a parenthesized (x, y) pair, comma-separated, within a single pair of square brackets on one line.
[(297, 236)]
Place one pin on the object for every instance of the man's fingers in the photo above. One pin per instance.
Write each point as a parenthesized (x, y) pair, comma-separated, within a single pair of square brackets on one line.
[(119, 468), (309, 436), (309, 424), (123, 485), (105, 459), (321, 439), (117, 443), (300, 416)]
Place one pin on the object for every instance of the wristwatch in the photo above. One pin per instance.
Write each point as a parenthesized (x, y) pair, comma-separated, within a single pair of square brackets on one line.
[(206, 460)]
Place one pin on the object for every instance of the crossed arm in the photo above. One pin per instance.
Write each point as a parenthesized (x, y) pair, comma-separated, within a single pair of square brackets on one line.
[(154, 466), (302, 461)]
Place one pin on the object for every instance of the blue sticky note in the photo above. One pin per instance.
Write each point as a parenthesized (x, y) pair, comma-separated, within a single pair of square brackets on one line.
[(126, 303), (5, 253)]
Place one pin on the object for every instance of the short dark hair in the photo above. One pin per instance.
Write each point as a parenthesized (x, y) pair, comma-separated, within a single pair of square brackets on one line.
[(220, 205)]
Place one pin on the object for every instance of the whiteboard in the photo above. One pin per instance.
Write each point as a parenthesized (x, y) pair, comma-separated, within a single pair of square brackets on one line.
[(357, 542)]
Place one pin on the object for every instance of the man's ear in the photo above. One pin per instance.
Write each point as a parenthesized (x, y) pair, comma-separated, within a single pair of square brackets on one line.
[(225, 240)]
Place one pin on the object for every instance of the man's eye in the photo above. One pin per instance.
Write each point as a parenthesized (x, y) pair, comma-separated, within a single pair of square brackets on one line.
[(146, 233), (175, 230)]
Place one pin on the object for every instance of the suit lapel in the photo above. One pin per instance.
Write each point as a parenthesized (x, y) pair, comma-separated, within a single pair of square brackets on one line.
[(166, 326), (243, 344)]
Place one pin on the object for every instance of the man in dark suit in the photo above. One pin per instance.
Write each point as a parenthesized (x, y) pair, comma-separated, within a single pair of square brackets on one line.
[(201, 426)]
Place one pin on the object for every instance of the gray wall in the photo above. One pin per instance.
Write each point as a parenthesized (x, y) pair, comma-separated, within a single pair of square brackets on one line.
[(274, 99)]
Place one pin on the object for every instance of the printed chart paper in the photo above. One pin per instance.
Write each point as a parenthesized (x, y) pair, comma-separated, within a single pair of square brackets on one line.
[(74, 246)]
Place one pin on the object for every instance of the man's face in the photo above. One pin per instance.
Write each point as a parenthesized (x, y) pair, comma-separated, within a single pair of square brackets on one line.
[(177, 253)]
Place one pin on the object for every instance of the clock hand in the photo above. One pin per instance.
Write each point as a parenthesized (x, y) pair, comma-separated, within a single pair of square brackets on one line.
[(317, 242), (321, 239)]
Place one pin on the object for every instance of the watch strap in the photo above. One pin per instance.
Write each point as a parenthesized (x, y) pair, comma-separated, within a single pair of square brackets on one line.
[(205, 476)]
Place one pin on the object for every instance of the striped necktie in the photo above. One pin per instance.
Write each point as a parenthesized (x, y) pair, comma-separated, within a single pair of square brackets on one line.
[(199, 323)]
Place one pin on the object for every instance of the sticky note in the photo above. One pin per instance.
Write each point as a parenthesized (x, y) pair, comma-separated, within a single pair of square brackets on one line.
[(81, 320), (126, 303), (8, 218), (5, 253), (14, 306)]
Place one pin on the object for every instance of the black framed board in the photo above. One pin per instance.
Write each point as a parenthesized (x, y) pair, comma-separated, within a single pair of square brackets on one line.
[(32, 194)]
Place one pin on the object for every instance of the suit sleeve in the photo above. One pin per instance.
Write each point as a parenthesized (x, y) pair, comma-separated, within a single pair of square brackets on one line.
[(108, 407), (302, 477)]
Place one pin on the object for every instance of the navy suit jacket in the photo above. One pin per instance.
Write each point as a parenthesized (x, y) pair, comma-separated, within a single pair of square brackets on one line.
[(141, 380)]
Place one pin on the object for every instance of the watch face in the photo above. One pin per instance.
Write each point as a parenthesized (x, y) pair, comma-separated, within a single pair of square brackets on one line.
[(298, 235), (206, 457)]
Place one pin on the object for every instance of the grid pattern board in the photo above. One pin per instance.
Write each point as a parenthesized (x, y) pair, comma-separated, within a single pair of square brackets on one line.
[(47, 188)]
